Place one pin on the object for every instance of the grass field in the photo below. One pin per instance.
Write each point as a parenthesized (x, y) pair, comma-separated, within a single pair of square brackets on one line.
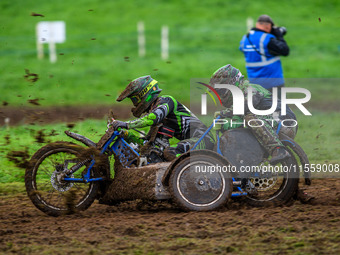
[(100, 53), (100, 56)]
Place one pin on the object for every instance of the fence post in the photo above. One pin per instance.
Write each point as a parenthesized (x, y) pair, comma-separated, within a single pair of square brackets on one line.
[(165, 42), (250, 23), (141, 39)]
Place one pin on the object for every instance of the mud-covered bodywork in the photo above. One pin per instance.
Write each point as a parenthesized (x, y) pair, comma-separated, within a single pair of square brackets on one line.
[(137, 183)]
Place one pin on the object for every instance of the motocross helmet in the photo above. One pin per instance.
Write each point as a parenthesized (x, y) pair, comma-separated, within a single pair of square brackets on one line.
[(226, 75), (142, 91)]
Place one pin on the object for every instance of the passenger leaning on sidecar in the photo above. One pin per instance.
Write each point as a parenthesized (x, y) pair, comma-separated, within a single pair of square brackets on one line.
[(144, 94), (262, 100), (263, 127)]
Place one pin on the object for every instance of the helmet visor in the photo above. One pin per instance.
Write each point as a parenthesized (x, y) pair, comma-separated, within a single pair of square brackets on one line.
[(135, 100)]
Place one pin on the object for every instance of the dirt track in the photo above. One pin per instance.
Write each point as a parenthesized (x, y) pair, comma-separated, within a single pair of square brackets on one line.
[(160, 228), (43, 115)]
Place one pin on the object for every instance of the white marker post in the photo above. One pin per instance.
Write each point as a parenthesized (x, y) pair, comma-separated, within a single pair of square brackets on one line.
[(141, 39), (7, 120), (50, 32), (165, 42), (250, 23)]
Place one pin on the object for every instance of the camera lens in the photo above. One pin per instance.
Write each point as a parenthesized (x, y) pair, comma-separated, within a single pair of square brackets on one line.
[(283, 30)]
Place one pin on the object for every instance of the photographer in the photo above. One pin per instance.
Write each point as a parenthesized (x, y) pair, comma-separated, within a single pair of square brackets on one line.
[(262, 47)]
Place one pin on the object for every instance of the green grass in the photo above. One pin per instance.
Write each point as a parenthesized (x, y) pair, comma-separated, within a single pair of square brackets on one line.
[(319, 137), (22, 138), (203, 37), (316, 135)]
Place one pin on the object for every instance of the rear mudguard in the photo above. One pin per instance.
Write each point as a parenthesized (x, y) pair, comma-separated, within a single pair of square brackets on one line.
[(288, 142), (166, 176)]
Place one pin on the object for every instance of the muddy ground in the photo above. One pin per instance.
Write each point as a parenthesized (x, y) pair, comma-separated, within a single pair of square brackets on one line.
[(160, 228), (42, 115)]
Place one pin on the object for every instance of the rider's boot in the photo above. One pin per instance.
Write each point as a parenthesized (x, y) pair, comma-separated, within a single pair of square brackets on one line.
[(279, 154)]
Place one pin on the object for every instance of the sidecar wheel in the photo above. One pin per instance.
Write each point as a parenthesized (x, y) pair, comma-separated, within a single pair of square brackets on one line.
[(194, 188)]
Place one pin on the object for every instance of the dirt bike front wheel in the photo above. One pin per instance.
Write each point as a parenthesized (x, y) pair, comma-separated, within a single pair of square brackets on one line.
[(44, 187)]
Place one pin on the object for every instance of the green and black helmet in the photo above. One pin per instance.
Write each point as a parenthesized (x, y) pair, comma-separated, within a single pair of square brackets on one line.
[(142, 91), (226, 75)]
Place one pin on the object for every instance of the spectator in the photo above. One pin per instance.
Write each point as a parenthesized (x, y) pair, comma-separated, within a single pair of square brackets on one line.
[(262, 47)]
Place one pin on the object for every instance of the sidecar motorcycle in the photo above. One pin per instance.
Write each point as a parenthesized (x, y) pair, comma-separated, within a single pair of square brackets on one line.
[(64, 177)]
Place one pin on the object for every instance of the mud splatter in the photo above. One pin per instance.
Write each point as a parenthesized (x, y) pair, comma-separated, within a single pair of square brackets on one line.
[(19, 158), (40, 137), (31, 77), (7, 139), (53, 133), (33, 101), (70, 125), (37, 14)]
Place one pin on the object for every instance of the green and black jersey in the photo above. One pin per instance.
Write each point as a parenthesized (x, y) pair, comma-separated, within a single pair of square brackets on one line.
[(172, 114)]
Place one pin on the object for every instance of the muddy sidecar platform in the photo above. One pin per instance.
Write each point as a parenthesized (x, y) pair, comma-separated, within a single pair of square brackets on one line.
[(178, 180), (138, 183)]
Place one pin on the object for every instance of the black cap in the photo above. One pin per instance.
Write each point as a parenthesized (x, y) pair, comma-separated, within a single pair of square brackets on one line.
[(265, 18)]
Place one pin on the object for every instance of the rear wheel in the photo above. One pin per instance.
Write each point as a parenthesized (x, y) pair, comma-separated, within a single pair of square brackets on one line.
[(196, 185), (274, 185), (45, 189)]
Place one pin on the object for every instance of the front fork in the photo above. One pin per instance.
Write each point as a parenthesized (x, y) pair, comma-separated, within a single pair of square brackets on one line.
[(65, 175)]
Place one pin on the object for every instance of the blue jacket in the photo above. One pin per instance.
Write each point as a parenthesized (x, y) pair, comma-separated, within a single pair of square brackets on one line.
[(262, 67)]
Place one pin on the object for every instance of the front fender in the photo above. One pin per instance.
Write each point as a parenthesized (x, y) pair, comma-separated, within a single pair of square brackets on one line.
[(81, 139)]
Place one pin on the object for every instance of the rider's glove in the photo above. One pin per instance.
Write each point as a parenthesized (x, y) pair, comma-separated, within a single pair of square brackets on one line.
[(119, 124)]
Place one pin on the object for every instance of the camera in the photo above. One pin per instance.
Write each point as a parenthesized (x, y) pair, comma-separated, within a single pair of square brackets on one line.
[(279, 30)]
